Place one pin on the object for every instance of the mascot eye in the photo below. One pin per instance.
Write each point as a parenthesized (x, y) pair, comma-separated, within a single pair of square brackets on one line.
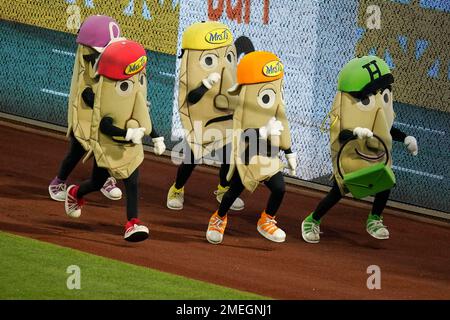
[(266, 98), (366, 103), (387, 96), (209, 61), (142, 79), (230, 57), (124, 88)]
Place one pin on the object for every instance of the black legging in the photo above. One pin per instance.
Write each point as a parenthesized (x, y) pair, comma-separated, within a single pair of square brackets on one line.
[(335, 195), (73, 156), (187, 167), (275, 184), (98, 179)]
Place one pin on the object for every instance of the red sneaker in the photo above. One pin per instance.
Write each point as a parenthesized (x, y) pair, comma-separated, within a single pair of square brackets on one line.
[(73, 204), (135, 231)]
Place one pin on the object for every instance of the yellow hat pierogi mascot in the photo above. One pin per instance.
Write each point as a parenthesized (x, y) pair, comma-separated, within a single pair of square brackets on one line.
[(208, 69)]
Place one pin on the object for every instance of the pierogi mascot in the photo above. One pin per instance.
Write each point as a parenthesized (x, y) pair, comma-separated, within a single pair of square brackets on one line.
[(261, 129), (208, 69), (94, 34), (361, 134), (119, 122)]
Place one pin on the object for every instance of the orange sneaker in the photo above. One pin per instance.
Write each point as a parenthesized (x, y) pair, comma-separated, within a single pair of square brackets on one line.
[(216, 228), (267, 227)]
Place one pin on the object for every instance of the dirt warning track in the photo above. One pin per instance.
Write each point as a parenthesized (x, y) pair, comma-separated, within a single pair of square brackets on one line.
[(415, 262)]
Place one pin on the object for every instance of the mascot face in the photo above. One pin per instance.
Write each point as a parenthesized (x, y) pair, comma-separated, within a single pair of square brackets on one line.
[(124, 85), (120, 94), (207, 48), (365, 100)]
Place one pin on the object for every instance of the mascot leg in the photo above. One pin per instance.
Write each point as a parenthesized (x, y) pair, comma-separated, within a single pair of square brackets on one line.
[(57, 187), (267, 224), (134, 230), (374, 224), (311, 224)]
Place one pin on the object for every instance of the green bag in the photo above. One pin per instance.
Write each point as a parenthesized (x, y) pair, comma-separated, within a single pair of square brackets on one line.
[(368, 181)]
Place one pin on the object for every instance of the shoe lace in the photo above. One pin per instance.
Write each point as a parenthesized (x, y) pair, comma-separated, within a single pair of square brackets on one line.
[(110, 183), (376, 224), (217, 223), (58, 187), (312, 227), (177, 194), (221, 191), (75, 203), (270, 225)]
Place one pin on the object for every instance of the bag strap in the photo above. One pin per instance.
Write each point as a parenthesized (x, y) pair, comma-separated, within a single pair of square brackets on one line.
[(353, 138)]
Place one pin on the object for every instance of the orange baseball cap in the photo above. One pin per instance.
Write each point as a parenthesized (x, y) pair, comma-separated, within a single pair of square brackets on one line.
[(258, 67)]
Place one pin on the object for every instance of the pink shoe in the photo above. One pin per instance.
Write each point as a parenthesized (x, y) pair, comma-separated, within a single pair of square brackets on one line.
[(110, 189), (57, 189)]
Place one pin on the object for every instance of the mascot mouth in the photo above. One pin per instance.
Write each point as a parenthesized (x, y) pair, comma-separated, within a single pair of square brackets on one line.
[(219, 119), (372, 158)]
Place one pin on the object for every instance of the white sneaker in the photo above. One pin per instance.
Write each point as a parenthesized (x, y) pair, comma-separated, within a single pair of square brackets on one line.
[(57, 191), (237, 205), (110, 189), (376, 228), (175, 198)]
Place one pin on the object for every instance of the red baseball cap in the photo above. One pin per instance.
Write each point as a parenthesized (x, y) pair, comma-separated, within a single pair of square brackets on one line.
[(122, 59)]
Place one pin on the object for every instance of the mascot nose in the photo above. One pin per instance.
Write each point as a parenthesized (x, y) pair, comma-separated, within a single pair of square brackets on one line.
[(380, 128)]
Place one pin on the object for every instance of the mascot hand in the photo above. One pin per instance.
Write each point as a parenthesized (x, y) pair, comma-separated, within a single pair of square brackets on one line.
[(411, 145), (212, 79), (135, 135), (272, 128), (159, 146), (362, 133), (292, 162)]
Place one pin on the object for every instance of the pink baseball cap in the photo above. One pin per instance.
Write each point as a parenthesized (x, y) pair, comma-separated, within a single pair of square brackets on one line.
[(97, 31)]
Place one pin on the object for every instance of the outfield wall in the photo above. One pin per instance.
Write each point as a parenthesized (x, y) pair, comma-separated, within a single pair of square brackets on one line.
[(313, 38)]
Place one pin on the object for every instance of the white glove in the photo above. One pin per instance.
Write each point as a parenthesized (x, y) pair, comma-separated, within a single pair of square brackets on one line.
[(135, 135), (411, 144), (272, 128), (159, 146), (212, 79), (362, 133), (292, 162)]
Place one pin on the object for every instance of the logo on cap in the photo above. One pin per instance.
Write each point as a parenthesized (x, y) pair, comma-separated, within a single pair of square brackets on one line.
[(218, 36), (136, 66), (273, 68)]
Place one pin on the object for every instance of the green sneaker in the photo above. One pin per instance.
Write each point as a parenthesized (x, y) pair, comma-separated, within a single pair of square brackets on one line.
[(311, 229), (376, 228)]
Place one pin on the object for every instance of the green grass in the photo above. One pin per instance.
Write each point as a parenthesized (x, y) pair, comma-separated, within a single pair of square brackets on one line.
[(30, 269)]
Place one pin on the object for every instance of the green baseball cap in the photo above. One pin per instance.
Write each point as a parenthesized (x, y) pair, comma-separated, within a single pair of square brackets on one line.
[(361, 76)]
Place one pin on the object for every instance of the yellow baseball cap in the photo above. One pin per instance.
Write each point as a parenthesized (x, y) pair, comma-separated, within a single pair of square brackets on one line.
[(258, 67), (206, 36)]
